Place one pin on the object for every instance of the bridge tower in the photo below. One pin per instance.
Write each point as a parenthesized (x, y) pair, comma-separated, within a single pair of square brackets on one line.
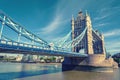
[(89, 37), (72, 24), (78, 26), (93, 44)]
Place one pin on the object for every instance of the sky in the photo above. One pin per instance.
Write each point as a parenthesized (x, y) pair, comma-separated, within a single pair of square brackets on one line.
[(51, 19)]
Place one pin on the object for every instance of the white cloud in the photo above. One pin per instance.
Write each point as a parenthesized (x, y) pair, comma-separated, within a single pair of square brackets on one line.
[(102, 24), (58, 19), (112, 33), (101, 17), (114, 51), (115, 44), (115, 48), (52, 25), (106, 12)]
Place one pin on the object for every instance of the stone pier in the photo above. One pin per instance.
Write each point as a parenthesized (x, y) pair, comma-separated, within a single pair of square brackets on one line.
[(94, 62)]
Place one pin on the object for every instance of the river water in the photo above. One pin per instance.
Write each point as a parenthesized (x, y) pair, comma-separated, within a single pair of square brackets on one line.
[(25, 71)]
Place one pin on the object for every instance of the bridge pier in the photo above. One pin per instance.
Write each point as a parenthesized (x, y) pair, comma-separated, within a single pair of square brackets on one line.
[(94, 62), (71, 63)]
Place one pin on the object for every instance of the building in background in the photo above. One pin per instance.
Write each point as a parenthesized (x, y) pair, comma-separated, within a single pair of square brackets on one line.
[(18, 58)]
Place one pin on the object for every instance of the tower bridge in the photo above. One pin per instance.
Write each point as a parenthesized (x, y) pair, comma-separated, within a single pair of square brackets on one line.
[(83, 38)]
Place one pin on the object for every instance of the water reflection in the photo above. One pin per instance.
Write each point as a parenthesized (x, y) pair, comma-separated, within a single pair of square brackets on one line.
[(87, 75), (11, 71), (76, 75), (18, 71)]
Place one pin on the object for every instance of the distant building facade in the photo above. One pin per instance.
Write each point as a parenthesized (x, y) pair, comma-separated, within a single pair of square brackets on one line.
[(18, 58)]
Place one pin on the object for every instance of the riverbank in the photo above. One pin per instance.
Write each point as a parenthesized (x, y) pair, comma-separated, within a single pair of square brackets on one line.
[(29, 62)]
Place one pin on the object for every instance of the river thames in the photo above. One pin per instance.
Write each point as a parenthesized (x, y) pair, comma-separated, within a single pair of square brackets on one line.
[(25, 71)]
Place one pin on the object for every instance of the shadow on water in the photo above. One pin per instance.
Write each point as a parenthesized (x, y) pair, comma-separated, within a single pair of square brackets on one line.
[(26, 73), (86, 68)]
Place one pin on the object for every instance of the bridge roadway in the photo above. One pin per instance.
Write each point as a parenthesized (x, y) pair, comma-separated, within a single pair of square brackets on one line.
[(22, 48)]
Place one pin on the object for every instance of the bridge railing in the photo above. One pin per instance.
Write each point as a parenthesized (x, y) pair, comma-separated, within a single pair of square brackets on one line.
[(20, 30), (35, 48), (12, 43), (20, 44)]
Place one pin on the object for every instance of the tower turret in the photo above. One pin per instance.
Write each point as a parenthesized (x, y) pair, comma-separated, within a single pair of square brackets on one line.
[(80, 13), (72, 24), (89, 36)]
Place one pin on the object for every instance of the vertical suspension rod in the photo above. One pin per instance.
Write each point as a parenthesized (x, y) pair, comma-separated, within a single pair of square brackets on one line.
[(33, 40), (19, 35), (1, 30)]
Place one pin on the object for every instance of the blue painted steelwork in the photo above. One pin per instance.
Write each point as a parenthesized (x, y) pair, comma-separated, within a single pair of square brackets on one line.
[(22, 48), (61, 47), (21, 30), (63, 40), (75, 41)]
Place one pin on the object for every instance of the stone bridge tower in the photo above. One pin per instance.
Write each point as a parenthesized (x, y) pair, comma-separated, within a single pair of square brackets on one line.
[(89, 37), (78, 26), (93, 44)]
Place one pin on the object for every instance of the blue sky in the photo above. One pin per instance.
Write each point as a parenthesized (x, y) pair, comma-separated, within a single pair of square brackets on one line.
[(50, 19)]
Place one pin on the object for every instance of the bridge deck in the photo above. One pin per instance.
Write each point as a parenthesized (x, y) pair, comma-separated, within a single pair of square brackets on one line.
[(22, 48)]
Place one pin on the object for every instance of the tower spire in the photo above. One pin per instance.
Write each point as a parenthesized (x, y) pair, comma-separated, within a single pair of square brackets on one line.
[(80, 13), (86, 13), (72, 17), (89, 35)]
